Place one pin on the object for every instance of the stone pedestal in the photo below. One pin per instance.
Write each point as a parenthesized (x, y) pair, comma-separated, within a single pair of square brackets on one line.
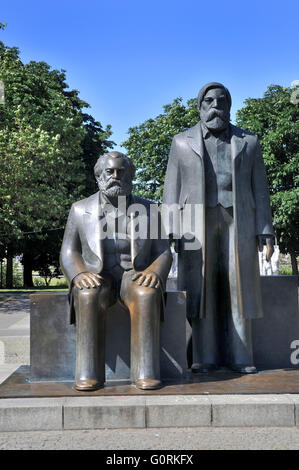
[(274, 333), (53, 339)]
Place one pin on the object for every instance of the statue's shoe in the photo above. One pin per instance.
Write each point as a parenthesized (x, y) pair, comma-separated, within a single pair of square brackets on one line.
[(243, 368), (148, 384), (87, 385), (198, 367)]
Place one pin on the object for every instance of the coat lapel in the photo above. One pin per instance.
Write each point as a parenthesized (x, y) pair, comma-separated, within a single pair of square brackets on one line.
[(237, 142), (195, 140), (135, 242), (92, 225)]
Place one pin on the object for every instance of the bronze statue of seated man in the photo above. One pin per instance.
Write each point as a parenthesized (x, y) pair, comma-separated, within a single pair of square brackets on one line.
[(105, 262)]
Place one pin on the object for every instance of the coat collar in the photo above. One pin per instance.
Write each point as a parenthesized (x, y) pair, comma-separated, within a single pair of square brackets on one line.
[(195, 140), (93, 217), (92, 205)]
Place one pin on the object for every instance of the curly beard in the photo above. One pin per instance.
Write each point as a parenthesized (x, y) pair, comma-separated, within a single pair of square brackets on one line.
[(114, 189)]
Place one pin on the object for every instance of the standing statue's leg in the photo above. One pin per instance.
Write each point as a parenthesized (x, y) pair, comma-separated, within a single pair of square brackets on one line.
[(241, 340), (90, 307), (205, 331), (238, 338), (144, 304)]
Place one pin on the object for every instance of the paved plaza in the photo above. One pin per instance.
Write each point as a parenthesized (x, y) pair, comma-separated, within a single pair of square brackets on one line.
[(223, 422)]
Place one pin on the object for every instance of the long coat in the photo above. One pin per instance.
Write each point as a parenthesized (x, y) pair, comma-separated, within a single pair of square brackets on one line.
[(82, 247), (185, 184)]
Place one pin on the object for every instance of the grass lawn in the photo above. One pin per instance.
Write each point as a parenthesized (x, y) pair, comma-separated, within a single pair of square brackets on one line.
[(56, 284), (34, 289)]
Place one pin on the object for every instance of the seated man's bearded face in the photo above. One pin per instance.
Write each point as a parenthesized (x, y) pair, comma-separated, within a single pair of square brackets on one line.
[(115, 178)]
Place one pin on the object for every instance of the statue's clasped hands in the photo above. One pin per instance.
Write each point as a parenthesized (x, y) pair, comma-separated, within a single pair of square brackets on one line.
[(146, 279)]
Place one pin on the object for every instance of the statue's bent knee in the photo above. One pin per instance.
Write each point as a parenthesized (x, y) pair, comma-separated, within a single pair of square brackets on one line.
[(142, 293), (100, 297), (91, 292)]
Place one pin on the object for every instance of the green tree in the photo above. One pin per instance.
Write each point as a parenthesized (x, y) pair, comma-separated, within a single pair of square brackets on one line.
[(149, 143), (275, 119), (43, 253), (48, 145)]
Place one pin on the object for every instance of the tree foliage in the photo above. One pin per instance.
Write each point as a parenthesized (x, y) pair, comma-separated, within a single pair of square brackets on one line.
[(275, 119), (149, 143), (48, 147)]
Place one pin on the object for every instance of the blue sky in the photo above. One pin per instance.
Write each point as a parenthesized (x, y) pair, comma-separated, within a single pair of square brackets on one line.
[(129, 58)]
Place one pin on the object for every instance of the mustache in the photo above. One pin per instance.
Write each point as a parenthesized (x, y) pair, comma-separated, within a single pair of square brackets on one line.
[(216, 113), (113, 183)]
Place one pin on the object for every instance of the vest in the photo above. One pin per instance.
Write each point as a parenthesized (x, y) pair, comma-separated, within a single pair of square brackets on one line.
[(218, 171), (117, 249)]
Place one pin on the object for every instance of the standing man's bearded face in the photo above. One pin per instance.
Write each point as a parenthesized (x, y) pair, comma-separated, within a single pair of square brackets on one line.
[(215, 110), (115, 178)]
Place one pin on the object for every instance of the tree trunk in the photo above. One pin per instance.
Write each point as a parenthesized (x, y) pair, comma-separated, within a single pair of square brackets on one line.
[(294, 264), (9, 269), (27, 272)]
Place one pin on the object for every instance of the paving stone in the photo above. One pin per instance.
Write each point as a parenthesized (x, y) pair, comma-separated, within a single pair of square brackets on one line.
[(15, 349)]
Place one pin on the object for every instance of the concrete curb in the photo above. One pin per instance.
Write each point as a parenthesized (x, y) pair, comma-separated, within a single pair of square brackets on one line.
[(253, 410), (32, 414)]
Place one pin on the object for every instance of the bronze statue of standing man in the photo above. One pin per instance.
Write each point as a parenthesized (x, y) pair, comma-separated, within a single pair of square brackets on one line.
[(219, 168)]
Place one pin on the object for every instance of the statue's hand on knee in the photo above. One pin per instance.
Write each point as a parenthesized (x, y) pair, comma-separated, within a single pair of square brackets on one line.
[(146, 279), (87, 280)]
